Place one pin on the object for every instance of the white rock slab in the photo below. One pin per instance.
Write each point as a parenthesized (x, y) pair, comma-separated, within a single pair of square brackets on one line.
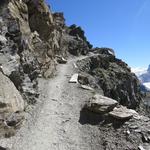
[(74, 78)]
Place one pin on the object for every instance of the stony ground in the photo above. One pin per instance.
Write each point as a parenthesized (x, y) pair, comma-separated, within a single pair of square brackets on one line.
[(56, 124)]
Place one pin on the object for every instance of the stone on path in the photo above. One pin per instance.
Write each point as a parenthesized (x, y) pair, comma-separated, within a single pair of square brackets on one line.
[(74, 78), (101, 104)]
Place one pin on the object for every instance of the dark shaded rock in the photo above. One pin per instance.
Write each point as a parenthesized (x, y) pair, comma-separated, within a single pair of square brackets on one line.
[(3, 148), (79, 44), (82, 79), (89, 117), (15, 119), (59, 19)]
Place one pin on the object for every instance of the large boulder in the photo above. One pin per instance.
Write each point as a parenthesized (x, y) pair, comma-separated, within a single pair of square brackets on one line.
[(100, 104), (10, 98), (123, 113)]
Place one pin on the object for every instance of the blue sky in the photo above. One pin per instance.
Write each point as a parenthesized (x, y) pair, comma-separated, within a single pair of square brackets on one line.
[(123, 25)]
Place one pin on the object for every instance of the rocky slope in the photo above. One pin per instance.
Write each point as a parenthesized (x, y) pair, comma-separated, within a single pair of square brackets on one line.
[(33, 40), (113, 76)]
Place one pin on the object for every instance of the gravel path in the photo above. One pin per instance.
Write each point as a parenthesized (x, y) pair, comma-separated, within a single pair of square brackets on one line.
[(55, 125)]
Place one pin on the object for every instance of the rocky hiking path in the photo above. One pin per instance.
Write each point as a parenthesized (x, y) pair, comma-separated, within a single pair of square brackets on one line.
[(55, 125)]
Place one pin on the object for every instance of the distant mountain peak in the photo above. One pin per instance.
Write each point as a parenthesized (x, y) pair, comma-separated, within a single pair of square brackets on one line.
[(148, 70)]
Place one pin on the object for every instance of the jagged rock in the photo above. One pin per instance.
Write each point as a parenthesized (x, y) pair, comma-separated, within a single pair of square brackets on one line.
[(59, 19), (10, 99), (78, 43), (114, 77), (101, 104), (83, 79), (123, 113), (74, 78)]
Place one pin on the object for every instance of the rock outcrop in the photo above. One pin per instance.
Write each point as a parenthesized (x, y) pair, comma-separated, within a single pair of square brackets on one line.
[(113, 76), (123, 113), (100, 104), (32, 41), (11, 104)]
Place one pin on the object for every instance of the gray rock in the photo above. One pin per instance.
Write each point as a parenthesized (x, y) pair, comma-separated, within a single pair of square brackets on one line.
[(104, 50), (114, 77), (101, 104), (87, 87), (10, 98), (123, 113)]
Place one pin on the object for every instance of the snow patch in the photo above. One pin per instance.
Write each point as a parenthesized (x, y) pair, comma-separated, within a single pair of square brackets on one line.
[(147, 85), (139, 71)]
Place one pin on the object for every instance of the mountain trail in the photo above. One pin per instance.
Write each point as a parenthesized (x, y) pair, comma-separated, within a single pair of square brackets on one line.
[(55, 123)]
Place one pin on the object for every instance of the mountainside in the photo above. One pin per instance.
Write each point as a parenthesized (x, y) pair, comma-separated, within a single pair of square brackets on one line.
[(144, 77), (92, 110)]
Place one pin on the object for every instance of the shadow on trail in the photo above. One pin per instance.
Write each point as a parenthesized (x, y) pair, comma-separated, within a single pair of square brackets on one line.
[(88, 117)]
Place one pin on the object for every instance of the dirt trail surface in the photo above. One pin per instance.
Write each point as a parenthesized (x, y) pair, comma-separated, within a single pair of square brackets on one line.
[(56, 122)]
